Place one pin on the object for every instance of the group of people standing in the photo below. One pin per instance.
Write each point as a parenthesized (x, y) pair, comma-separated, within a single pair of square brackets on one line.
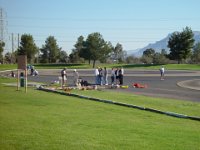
[(64, 77), (117, 76), (101, 76)]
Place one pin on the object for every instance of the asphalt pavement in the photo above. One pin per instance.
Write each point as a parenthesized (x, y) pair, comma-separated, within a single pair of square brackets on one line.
[(181, 85)]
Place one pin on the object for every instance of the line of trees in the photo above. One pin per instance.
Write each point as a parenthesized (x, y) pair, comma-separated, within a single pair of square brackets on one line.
[(94, 48), (182, 49), (181, 44)]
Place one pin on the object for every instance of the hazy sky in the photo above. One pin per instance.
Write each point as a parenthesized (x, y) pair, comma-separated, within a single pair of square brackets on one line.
[(132, 23)]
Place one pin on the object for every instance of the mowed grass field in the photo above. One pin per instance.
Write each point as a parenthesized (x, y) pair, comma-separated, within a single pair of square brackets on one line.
[(39, 120)]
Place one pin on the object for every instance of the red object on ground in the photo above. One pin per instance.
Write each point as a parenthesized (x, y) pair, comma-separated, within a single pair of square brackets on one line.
[(138, 85)]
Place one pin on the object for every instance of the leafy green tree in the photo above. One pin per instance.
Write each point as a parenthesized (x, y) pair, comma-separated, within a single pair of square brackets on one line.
[(8, 57), (2, 44), (79, 44), (148, 56), (45, 55), (160, 58), (80, 50), (28, 47), (149, 52), (86, 53), (74, 56), (63, 57), (132, 60), (95, 45), (196, 53), (146, 59), (107, 49), (50, 51), (118, 53), (181, 44)]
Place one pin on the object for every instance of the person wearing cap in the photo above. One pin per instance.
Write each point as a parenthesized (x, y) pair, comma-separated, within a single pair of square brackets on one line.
[(76, 77)]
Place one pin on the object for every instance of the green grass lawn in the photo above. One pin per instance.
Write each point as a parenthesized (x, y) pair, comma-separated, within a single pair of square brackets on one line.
[(164, 104), (131, 66), (39, 120), (8, 66), (167, 66)]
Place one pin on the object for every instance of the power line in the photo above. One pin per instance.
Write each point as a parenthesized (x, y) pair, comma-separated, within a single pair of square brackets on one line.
[(104, 19), (59, 36), (110, 41), (95, 27)]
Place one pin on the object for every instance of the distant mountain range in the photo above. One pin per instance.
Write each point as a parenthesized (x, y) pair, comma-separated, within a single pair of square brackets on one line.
[(159, 45)]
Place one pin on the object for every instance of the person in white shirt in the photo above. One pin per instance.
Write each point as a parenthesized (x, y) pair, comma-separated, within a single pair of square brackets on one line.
[(76, 77), (96, 73), (162, 73)]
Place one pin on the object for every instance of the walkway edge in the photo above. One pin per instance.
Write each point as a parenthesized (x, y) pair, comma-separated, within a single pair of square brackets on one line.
[(186, 84)]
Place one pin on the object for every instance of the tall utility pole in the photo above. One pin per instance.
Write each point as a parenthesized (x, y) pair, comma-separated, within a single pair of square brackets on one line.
[(2, 25)]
